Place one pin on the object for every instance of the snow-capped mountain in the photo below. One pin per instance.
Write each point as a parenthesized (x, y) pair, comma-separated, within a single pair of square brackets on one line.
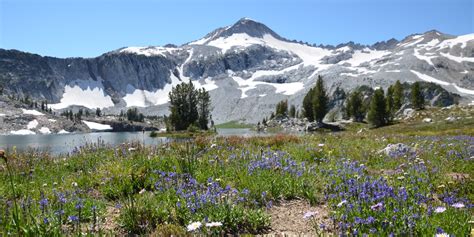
[(247, 67)]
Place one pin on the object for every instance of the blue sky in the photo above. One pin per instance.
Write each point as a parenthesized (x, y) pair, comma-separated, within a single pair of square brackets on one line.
[(88, 28)]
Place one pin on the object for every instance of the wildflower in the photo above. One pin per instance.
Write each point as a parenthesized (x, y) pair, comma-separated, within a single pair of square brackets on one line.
[(45, 221), (441, 186), (43, 203), (74, 184), (442, 235), (320, 144), (194, 226), (142, 191), (341, 203), (400, 177), (458, 205), (132, 149), (377, 207), (213, 224), (309, 214), (73, 218), (440, 209)]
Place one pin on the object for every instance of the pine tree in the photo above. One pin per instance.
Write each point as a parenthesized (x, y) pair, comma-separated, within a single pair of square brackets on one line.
[(282, 108), (185, 104), (98, 113), (417, 99), (355, 108), (397, 96), (204, 101), (320, 101), (292, 112), (377, 115), (308, 105), (390, 104)]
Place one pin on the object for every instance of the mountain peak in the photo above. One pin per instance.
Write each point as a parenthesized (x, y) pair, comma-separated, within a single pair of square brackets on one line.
[(243, 26)]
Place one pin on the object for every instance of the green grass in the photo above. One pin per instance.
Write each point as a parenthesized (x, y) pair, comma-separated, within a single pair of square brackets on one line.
[(234, 124), (234, 181)]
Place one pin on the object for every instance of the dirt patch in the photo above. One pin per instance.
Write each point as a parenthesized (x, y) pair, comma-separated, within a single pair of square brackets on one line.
[(459, 177), (109, 224), (287, 218)]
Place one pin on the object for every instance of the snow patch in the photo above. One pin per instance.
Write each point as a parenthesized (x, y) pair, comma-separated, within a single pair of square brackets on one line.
[(423, 57), (417, 38), (366, 55), (32, 112), (32, 124), (88, 93), (148, 51), (434, 80), (22, 132), (45, 130), (427, 78), (463, 39), (52, 120), (463, 90), (456, 58), (63, 132), (97, 126), (2, 115), (283, 88), (143, 98)]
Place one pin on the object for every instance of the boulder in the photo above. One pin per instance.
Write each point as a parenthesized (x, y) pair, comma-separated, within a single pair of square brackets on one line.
[(397, 150), (427, 120)]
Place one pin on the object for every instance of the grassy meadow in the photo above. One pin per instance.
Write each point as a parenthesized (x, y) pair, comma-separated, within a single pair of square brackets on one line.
[(218, 185)]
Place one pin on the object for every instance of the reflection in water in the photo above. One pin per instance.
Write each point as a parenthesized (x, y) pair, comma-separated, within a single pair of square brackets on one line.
[(64, 143)]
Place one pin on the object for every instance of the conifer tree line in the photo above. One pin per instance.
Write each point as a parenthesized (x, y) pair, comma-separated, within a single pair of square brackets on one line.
[(379, 110), (189, 107)]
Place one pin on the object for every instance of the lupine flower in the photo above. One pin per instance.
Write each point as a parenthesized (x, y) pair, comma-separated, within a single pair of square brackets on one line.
[(213, 224), (73, 218), (440, 209), (309, 214), (377, 207), (194, 226)]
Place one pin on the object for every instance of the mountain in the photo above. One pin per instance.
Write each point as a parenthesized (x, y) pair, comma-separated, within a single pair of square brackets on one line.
[(247, 68)]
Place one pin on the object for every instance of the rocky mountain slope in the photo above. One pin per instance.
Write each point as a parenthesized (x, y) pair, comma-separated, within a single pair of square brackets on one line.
[(247, 68)]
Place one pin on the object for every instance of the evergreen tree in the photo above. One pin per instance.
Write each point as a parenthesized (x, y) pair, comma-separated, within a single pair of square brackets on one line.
[(292, 112), (417, 99), (184, 103), (377, 115), (204, 102), (282, 108), (320, 101), (390, 104), (397, 96), (308, 105), (98, 112), (355, 108)]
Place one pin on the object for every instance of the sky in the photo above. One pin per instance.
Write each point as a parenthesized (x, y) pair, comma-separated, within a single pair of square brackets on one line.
[(89, 28)]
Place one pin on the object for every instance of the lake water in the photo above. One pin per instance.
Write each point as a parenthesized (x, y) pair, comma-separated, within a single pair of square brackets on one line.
[(64, 143)]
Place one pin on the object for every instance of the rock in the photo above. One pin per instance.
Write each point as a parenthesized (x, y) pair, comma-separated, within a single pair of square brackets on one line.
[(408, 113), (450, 119), (427, 120), (396, 150)]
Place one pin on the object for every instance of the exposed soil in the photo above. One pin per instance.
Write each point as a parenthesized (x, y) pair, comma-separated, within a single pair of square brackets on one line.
[(287, 218)]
